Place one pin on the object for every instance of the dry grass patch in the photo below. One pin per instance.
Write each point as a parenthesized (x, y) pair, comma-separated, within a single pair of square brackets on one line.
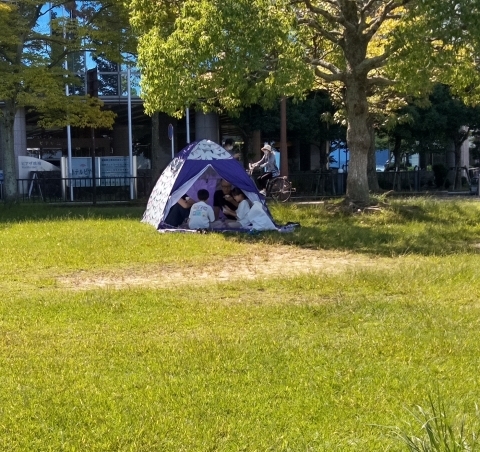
[(262, 262)]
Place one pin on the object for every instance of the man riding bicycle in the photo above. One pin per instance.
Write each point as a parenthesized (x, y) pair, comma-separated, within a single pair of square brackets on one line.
[(269, 163)]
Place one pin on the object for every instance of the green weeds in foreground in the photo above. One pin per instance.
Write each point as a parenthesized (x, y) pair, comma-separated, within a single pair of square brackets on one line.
[(319, 361), (439, 432)]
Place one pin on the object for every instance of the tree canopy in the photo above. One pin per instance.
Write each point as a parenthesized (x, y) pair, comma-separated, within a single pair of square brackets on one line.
[(35, 38), (233, 53), (217, 56)]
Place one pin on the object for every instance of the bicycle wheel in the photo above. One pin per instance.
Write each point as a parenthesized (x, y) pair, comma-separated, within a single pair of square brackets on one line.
[(281, 189)]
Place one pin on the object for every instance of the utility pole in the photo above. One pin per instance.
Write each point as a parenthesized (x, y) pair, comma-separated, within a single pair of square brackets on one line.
[(92, 90)]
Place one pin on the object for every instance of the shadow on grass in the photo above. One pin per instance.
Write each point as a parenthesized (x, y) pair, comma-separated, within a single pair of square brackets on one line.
[(421, 214), (18, 213), (361, 240), (428, 230), (423, 228)]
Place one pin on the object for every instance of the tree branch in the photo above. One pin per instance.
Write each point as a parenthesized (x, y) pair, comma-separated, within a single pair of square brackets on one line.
[(325, 14), (338, 77), (331, 36), (384, 15), (373, 63), (380, 81), (367, 7), (325, 64)]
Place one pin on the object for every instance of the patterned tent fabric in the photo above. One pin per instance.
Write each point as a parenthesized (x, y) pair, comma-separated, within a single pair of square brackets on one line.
[(207, 150), (202, 163)]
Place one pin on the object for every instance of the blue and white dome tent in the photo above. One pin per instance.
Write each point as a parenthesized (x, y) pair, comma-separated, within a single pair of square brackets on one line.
[(200, 164)]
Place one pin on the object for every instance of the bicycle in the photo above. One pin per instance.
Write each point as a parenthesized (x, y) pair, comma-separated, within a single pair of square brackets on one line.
[(279, 188)]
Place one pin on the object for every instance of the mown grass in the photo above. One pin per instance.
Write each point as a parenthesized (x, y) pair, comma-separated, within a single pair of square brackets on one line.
[(319, 361)]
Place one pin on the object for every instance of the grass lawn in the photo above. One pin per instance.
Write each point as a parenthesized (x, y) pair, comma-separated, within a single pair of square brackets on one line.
[(297, 357)]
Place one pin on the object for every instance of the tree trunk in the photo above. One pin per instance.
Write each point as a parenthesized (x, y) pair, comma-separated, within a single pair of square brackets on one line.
[(156, 149), (7, 118), (372, 162), (358, 137)]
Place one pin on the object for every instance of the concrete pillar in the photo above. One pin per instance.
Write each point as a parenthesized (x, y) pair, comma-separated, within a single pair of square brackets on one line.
[(20, 133), (207, 127), (120, 140), (465, 153), (314, 157), (257, 144)]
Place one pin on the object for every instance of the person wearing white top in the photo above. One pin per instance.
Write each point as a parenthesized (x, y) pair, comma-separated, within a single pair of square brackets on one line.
[(250, 216), (241, 213), (201, 214)]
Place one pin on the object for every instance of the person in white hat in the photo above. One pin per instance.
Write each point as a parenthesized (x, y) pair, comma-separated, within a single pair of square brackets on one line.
[(269, 164)]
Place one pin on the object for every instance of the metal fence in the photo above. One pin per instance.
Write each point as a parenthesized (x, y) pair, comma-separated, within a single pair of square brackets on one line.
[(42, 188), (334, 183), (315, 183), (102, 189), (407, 181)]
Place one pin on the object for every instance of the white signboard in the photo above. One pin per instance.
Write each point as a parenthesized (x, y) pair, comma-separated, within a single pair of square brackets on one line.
[(114, 171), (82, 169), (28, 164), (110, 171)]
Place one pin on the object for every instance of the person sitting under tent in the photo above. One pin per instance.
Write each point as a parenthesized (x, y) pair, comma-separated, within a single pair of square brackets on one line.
[(223, 198), (241, 213), (249, 215), (179, 212), (259, 219), (201, 214)]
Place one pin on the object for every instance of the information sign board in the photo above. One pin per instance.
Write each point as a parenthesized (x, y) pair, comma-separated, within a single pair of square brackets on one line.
[(114, 171)]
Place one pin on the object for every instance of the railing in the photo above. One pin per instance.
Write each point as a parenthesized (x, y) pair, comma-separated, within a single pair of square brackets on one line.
[(104, 189), (334, 183), (315, 183), (411, 180), (42, 188)]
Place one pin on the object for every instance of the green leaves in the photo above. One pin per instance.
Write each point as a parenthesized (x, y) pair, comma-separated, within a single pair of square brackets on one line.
[(223, 56), (439, 42)]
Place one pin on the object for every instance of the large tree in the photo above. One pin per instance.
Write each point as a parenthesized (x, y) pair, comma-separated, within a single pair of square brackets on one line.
[(354, 40), (225, 55), (35, 39), (231, 54)]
